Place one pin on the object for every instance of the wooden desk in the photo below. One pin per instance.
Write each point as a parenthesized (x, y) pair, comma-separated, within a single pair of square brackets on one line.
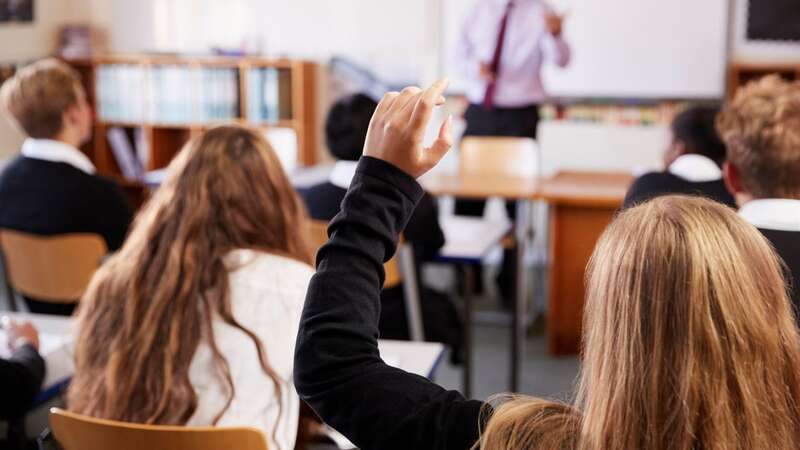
[(582, 204), (523, 190)]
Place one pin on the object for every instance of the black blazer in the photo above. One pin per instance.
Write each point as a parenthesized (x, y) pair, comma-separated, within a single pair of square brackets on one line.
[(655, 184), (49, 198), (21, 377), (787, 245), (338, 370)]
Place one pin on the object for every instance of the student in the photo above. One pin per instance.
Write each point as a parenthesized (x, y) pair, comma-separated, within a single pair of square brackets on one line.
[(693, 162), (21, 375), (345, 131), (52, 188), (193, 321), (689, 342), (761, 128)]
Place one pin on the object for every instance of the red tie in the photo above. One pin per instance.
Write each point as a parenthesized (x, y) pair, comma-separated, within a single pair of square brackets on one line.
[(488, 99)]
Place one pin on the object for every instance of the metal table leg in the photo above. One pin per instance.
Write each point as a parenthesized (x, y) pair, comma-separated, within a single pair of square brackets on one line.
[(469, 289), (518, 322)]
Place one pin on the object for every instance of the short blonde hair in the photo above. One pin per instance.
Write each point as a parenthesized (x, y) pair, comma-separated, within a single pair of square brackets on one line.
[(761, 128), (39, 94)]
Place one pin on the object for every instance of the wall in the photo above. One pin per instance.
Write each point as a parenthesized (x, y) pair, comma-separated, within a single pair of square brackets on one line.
[(25, 42)]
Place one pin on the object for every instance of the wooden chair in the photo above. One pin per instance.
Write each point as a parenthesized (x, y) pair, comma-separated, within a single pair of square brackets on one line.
[(53, 269), (77, 432), (499, 156), (399, 270)]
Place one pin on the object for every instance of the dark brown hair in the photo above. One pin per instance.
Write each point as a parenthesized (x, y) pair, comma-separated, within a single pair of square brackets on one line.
[(149, 307)]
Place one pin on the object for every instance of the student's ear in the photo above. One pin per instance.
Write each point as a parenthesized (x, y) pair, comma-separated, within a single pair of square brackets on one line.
[(675, 150), (733, 182)]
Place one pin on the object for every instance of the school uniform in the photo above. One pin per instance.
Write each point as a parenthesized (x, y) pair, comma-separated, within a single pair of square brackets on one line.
[(440, 318), (338, 369), (689, 175), (21, 378), (779, 221), (51, 189), (267, 292)]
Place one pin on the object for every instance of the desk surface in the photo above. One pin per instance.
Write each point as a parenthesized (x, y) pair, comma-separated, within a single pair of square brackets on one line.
[(479, 187), (56, 338), (600, 189)]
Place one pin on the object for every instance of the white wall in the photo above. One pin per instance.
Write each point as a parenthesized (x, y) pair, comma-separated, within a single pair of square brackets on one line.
[(394, 37)]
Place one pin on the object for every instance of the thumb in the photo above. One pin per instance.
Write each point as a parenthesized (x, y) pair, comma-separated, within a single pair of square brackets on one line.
[(443, 142)]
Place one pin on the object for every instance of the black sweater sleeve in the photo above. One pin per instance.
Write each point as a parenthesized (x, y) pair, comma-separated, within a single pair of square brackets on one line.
[(423, 229), (20, 380), (338, 370)]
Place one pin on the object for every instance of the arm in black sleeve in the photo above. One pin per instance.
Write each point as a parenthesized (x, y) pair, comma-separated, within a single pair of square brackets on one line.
[(118, 215), (20, 380), (423, 229), (338, 370)]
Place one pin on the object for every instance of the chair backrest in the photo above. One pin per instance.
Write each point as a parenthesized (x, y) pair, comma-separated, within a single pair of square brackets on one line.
[(318, 236), (499, 156), (77, 432), (51, 268)]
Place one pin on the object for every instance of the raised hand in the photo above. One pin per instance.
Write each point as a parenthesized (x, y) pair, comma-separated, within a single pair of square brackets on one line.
[(398, 127), (554, 23)]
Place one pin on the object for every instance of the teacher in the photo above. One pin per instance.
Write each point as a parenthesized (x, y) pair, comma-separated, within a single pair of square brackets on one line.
[(501, 50)]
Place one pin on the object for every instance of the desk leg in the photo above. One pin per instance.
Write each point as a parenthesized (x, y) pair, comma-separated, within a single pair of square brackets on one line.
[(469, 289), (519, 315)]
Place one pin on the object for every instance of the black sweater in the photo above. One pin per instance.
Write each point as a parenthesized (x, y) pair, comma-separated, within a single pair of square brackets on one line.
[(787, 245), (338, 370), (50, 198), (47, 198), (654, 184), (20, 379)]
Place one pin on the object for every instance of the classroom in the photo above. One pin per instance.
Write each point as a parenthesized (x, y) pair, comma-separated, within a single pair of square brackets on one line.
[(374, 224)]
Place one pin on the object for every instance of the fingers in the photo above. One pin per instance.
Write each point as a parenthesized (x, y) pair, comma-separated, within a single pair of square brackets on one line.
[(441, 146), (427, 101), (405, 102), (386, 103)]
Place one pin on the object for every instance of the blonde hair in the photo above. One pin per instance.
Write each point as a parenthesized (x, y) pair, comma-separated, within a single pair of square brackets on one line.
[(38, 95), (689, 342), (761, 128)]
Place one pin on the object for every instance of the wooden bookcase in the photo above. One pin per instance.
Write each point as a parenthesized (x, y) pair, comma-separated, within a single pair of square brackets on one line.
[(740, 74), (164, 140)]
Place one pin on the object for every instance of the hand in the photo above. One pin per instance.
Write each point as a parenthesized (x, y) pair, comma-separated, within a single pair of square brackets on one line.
[(486, 73), (398, 127), (20, 333), (554, 23)]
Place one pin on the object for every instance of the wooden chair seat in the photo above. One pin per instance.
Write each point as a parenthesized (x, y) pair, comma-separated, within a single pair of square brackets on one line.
[(78, 432)]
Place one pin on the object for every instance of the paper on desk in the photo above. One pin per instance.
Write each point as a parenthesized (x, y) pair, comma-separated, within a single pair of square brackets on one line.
[(471, 237)]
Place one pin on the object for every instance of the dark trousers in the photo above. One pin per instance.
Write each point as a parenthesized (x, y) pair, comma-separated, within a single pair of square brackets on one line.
[(513, 122)]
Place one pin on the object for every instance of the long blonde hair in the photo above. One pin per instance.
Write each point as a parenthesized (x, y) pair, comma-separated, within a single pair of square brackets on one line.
[(149, 307), (689, 342)]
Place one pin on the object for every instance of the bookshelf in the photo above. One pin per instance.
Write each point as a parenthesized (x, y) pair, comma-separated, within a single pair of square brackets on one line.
[(171, 99), (740, 74)]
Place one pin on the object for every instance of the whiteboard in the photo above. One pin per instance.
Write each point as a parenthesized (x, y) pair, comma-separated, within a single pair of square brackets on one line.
[(628, 48)]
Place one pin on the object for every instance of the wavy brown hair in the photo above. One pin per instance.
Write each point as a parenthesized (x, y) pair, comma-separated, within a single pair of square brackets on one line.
[(150, 306), (689, 342)]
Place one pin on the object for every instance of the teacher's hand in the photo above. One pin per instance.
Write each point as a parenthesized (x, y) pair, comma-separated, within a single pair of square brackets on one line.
[(486, 73), (554, 23), (398, 127)]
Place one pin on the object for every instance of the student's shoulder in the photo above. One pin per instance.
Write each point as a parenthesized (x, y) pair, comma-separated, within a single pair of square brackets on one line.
[(263, 268)]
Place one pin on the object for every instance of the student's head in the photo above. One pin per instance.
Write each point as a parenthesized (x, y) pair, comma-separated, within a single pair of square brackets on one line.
[(693, 132), (148, 308), (347, 124), (761, 127), (689, 341), (47, 101)]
